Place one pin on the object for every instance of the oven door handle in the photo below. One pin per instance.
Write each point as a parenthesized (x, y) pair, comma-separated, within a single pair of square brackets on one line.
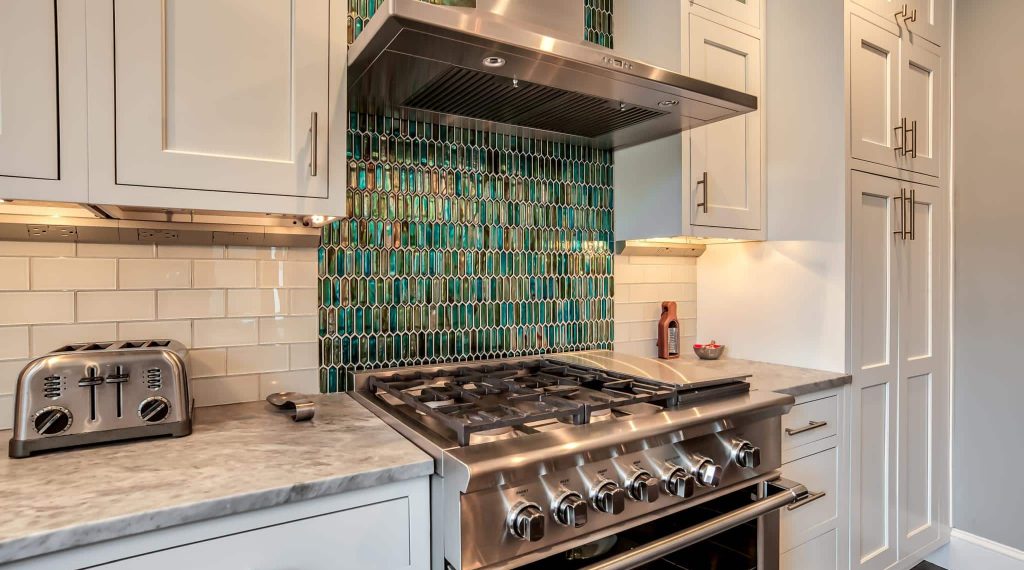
[(788, 493)]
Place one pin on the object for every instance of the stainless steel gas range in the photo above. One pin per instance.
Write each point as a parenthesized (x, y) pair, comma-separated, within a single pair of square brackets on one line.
[(592, 460)]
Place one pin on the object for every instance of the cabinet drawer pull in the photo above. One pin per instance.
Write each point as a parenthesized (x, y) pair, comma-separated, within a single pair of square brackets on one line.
[(809, 499), (704, 182), (312, 143), (810, 425)]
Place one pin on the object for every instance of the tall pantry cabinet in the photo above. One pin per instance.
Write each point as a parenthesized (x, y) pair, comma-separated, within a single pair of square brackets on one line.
[(899, 279)]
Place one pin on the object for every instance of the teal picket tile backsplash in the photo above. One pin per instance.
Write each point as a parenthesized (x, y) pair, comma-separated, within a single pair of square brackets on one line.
[(463, 244)]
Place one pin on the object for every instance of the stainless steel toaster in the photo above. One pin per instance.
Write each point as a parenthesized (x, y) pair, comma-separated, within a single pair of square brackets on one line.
[(100, 392)]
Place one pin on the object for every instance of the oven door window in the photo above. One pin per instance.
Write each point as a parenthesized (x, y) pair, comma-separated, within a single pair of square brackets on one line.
[(733, 549)]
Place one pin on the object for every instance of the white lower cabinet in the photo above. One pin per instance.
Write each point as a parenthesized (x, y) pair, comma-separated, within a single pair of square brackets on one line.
[(338, 531), (818, 554), (814, 454)]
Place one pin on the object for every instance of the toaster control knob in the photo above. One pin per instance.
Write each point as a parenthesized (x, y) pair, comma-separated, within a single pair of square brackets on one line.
[(610, 498), (643, 487), (708, 474), (680, 483), (526, 522), (571, 510), (52, 420), (747, 455), (154, 409)]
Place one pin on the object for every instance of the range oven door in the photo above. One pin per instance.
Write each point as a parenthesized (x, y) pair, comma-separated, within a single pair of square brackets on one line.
[(738, 531)]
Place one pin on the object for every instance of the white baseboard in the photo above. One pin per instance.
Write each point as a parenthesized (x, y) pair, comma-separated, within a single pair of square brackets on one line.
[(966, 551)]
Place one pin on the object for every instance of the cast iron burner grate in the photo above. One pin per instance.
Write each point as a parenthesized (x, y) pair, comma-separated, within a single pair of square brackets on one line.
[(486, 397)]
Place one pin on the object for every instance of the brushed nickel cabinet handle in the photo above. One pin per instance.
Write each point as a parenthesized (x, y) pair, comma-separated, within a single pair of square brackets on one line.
[(899, 135), (808, 499), (913, 224), (810, 425), (913, 139), (313, 143), (902, 232), (704, 182), (906, 132), (906, 14)]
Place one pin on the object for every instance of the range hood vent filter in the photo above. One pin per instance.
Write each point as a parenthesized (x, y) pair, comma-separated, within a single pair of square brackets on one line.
[(489, 97)]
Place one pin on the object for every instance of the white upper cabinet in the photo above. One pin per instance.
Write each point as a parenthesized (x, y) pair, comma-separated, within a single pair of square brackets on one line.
[(218, 104), (220, 94), (725, 157), (746, 11), (28, 89), (897, 99), (875, 130), (922, 103), (42, 95), (928, 19)]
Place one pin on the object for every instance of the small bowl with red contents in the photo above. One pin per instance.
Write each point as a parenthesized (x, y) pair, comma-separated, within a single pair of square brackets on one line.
[(709, 351)]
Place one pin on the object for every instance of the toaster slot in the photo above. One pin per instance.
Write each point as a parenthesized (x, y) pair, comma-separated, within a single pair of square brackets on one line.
[(97, 346), (158, 343), (70, 347), (133, 344)]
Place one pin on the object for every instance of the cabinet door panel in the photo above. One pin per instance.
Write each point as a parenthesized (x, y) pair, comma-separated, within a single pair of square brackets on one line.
[(922, 101), (728, 151), (924, 375), (876, 215), (219, 94), (819, 554), (874, 91), (932, 21), (746, 11), (28, 89)]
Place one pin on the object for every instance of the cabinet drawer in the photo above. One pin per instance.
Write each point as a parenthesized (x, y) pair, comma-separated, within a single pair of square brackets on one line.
[(810, 421), (820, 474), (818, 554), (312, 543)]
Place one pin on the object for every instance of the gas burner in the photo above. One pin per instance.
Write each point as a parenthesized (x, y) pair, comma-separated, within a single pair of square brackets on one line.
[(501, 400)]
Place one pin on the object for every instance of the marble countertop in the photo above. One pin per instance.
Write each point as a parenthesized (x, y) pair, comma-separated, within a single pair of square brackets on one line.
[(240, 457), (688, 369)]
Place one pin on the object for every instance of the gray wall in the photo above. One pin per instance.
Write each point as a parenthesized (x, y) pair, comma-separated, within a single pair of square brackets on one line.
[(988, 398)]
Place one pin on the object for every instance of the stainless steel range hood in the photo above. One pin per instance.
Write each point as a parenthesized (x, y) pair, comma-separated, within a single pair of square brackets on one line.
[(522, 67)]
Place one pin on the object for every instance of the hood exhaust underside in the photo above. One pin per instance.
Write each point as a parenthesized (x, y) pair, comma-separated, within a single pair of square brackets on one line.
[(522, 68)]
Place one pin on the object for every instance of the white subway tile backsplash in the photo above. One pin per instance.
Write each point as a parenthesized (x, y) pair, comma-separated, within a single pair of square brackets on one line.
[(208, 362), (302, 301), (191, 251), (258, 302), (263, 358), (302, 381), (6, 411), (226, 390), (193, 303), (36, 249), (9, 371), (287, 274), (116, 250), (180, 331), (154, 273), (14, 343), (245, 252), (287, 329), (46, 338), (96, 306), (36, 308), (303, 355), (225, 332), (13, 273), (641, 284), (227, 273), (52, 294), (73, 274)]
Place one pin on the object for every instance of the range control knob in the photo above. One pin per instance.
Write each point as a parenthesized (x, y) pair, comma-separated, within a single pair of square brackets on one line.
[(571, 510), (52, 420), (643, 487), (526, 522), (680, 483), (154, 409), (609, 498), (747, 455), (707, 473)]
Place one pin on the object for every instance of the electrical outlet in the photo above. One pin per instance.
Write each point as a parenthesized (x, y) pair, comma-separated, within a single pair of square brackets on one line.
[(158, 235), (41, 231)]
